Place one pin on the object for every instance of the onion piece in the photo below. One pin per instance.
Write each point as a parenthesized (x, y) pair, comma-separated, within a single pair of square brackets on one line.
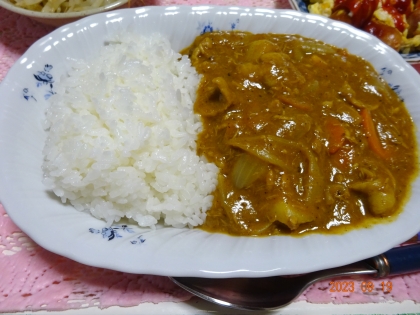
[(247, 169), (290, 214), (271, 148)]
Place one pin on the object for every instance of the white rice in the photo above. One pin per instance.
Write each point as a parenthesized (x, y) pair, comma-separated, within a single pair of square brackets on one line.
[(121, 136)]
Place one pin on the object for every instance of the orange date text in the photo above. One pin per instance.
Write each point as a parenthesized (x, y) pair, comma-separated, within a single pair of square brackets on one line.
[(365, 286), (342, 286), (369, 286)]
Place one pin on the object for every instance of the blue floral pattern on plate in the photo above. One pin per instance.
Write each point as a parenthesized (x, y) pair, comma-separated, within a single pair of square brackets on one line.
[(139, 240), (115, 231), (27, 95), (208, 27), (386, 73), (43, 78)]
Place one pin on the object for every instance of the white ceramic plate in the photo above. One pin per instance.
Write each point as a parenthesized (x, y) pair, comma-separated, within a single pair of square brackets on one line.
[(300, 5), (177, 252)]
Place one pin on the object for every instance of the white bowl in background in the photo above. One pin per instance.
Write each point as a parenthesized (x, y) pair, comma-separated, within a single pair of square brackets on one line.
[(59, 19)]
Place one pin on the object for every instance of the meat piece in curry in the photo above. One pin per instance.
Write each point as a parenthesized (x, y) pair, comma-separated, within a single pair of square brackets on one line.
[(307, 137)]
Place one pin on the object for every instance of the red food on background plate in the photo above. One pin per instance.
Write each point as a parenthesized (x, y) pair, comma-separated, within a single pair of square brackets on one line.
[(395, 22)]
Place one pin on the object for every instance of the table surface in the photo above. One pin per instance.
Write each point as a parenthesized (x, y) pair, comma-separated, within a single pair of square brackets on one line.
[(36, 280)]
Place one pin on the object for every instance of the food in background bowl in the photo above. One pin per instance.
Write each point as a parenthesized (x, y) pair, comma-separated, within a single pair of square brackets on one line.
[(59, 13), (397, 23), (61, 6)]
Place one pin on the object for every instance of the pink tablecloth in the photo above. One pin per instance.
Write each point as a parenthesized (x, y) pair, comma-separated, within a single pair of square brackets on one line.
[(35, 279)]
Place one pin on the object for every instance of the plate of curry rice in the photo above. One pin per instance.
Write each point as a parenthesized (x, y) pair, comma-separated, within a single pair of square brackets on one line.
[(211, 141)]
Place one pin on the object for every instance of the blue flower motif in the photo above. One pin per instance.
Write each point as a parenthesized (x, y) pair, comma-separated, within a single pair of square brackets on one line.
[(109, 233), (397, 89), (139, 240), (45, 78), (385, 71), (112, 232), (207, 28), (27, 96), (125, 228), (234, 24)]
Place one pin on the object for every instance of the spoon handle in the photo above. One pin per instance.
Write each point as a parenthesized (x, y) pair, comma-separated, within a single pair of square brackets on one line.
[(399, 260)]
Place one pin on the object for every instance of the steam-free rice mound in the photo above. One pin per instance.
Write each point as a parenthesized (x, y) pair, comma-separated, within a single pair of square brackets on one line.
[(121, 136)]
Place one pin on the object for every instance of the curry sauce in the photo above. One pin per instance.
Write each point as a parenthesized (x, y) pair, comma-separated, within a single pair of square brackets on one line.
[(307, 137)]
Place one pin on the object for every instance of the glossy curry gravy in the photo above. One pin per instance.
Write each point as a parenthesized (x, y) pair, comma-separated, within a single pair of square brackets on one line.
[(307, 137)]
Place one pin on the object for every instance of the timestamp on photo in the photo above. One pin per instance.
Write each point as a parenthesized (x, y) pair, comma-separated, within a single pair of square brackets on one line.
[(365, 286)]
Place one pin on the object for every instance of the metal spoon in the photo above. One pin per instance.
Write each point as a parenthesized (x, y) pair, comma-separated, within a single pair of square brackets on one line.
[(275, 292)]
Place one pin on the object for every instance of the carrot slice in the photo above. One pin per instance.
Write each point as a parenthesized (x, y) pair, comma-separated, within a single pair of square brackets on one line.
[(335, 133), (372, 135)]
